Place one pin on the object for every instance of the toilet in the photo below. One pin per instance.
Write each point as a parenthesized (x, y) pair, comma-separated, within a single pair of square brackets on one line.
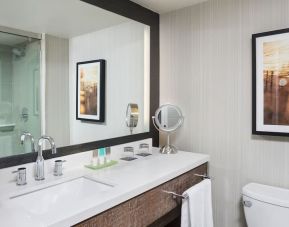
[(265, 206)]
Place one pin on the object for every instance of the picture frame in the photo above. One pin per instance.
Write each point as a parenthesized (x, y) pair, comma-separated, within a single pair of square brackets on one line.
[(90, 90), (270, 83)]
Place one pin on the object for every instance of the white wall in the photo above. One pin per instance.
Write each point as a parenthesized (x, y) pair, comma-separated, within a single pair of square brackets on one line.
[(122, 47), (206, 70)]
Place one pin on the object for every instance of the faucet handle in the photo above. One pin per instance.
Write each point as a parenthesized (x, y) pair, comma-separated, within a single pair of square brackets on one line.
[(58, 167), (21, 176)]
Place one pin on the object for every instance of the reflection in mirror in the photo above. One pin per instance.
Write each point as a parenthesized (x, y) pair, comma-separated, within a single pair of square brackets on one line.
[(168, 118), (19, 91), (39, 52), (132, 115)]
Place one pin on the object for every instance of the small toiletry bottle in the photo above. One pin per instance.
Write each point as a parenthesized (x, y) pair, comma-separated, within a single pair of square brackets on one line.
[(107, 155), (101, 155), (94, 160)]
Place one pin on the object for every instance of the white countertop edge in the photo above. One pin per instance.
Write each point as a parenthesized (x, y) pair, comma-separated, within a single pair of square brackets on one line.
[(114, 201)]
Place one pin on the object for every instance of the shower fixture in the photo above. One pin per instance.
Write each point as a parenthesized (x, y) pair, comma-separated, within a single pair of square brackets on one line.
[(24, 115), (18, 52)]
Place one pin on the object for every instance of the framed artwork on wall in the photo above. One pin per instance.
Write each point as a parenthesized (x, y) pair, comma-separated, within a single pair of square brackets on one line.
[(270, 89), (90, 91)]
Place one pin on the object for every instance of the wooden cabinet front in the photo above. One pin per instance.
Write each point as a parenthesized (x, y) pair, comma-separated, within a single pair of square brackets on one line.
[(152, 208)]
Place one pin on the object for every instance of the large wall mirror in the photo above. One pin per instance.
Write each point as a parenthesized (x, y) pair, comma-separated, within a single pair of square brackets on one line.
[(53, 82)]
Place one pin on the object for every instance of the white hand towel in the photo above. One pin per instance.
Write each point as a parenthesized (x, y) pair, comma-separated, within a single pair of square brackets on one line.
[(197, 206)]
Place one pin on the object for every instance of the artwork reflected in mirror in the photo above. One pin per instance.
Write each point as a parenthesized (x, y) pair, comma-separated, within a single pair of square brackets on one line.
[(91, 90), (271, 77)]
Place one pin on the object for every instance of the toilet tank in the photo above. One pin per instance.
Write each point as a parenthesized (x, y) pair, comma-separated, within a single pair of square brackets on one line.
[(266, 206)]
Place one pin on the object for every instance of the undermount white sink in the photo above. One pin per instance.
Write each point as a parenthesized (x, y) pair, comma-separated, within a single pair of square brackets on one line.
[(56, 199)]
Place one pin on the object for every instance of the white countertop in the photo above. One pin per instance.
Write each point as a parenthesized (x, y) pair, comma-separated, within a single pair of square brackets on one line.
[(129, 179)]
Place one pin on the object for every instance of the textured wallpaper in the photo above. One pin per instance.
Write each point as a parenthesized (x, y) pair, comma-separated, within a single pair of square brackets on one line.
[(206, 70)]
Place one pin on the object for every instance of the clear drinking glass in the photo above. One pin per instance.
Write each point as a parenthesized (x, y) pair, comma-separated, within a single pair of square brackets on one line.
[(144, 150)]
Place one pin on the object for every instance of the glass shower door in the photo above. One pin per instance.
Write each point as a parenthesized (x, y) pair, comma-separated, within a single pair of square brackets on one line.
[(19, 92)]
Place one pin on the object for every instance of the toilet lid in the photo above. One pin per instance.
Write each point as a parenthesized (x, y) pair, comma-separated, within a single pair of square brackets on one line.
[(269, 194)]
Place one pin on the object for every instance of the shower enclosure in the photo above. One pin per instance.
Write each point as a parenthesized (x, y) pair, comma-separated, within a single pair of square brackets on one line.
[(19, 91)]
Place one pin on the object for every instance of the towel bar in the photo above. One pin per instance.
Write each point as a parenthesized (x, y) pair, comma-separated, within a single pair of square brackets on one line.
[(204, 176), (175, 195)]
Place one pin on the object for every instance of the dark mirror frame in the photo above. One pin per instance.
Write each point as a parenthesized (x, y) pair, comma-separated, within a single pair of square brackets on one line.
[(138, 13)]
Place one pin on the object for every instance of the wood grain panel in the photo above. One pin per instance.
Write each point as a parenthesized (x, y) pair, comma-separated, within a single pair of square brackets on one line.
[(206, 70), (147, 207)]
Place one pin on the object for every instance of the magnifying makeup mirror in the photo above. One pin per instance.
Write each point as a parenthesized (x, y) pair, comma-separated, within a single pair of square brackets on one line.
[(168, 118)]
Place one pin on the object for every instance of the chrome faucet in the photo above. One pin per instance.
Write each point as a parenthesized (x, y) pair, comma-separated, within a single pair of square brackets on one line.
[(29, 136), (39, 165)]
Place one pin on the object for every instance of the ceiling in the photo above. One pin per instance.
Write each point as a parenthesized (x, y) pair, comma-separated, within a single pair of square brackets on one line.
[(62, 18), (164, 6), (70, 18)]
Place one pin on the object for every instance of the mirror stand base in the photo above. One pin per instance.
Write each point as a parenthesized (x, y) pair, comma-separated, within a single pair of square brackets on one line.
[(168, 149)]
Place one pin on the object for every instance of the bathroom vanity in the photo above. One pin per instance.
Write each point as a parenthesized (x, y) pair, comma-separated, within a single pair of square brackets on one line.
[(127, 194), (153, 207), (68, 103)]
